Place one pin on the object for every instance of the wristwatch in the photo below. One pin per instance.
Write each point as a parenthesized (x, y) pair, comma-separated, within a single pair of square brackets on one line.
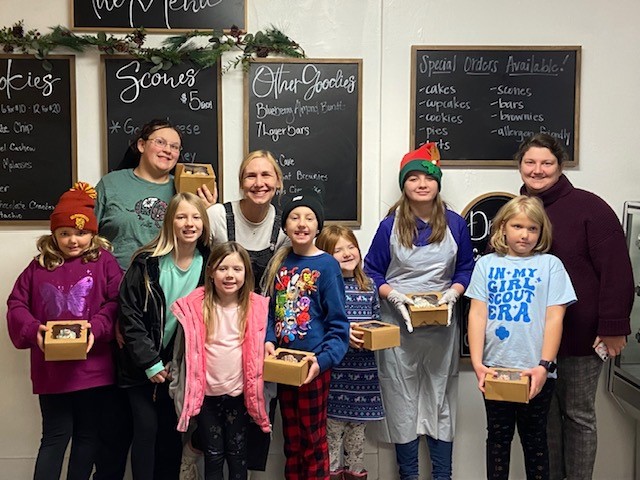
[(548, 365)]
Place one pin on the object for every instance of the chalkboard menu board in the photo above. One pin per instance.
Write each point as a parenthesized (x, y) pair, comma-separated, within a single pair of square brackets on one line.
[(157, 15), (480, 103), (187, 95), (307, 113), (37, 136), (479, 216)]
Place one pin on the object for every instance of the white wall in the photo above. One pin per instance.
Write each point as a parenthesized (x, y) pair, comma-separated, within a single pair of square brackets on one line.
[(382, 32)]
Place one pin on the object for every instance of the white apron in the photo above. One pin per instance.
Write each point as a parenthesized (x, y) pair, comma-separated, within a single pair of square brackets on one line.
[(419, 379)]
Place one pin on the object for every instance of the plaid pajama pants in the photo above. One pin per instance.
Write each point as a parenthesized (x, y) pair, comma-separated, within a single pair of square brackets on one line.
[(304, 425)]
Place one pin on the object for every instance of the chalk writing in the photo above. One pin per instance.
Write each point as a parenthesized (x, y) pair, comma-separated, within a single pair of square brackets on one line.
[(11, 82), (36, 135), (306, 113), (130, 7), (480, 104)]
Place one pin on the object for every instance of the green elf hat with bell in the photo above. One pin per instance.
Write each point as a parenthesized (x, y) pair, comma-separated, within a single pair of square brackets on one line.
[(425, 159)]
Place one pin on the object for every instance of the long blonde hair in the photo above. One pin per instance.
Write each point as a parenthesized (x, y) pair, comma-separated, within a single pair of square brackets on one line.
[(406, 226), (50, 256), (329, 236), (267, 284), (165, 242), (533, 209), (218, 254)]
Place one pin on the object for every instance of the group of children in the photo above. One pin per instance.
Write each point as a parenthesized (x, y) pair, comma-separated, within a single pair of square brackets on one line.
[(195, 334)]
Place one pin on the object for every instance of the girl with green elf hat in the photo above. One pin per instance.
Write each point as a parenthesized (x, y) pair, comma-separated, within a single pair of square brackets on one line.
[(420, 246)]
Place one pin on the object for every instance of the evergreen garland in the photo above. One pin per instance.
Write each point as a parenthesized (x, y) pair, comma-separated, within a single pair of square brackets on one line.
[(174, 49)]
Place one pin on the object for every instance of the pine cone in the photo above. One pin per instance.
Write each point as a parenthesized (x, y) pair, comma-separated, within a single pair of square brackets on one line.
[(17, 31)]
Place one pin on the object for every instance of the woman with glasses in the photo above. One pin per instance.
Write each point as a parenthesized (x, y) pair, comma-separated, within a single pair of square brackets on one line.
[(132, 199), (131, 205)]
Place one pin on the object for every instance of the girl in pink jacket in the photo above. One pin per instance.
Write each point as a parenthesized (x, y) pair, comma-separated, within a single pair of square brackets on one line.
[(218, 361)]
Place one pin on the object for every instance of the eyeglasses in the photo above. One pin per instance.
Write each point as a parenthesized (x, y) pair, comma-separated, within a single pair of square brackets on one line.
[(162, 143)]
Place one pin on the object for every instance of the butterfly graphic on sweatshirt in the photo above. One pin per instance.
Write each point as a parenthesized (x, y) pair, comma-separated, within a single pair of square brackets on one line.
[(57, 301)]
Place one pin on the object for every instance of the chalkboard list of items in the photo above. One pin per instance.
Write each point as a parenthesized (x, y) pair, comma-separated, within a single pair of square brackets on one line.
[(307, 113), (37, 136), (158, 15), (480, 103), (186, 95)]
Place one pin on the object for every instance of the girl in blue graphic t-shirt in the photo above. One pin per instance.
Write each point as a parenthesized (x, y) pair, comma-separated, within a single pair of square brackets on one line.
[(519, 295)]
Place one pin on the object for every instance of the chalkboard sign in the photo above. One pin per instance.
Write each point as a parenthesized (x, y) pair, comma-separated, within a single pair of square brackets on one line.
[(187, 95), (157, 15), (37, 136), (307, 113), (479, 216), (480, 103)]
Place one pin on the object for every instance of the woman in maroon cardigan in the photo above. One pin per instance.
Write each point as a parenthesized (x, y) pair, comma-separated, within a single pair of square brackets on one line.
[(589, 240)]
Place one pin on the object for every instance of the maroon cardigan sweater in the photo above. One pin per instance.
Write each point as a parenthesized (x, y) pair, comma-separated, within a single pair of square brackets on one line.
[(589, 240)]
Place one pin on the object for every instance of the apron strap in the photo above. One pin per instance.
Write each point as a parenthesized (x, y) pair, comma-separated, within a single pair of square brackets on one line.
[(231, 222), (275, 232)]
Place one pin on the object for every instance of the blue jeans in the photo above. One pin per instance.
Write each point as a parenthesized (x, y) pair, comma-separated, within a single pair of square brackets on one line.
[(441, 454)]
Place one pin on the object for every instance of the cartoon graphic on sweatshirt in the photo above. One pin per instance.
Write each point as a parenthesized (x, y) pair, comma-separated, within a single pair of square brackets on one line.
[(292, 302)]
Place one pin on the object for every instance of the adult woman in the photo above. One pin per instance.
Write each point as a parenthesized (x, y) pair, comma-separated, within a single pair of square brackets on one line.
[(132, 200), (420, 246), (589, 240), (254, 223), (170, 267)]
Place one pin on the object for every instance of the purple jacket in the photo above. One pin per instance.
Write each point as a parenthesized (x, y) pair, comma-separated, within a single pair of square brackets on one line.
[(589, 240), (188, 366), (74, 290)]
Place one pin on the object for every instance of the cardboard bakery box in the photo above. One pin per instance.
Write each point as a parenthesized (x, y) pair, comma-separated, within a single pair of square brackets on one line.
[(508, 386), (378, 335), (65, 340), (189, 177), (426, 311), (282, 368)]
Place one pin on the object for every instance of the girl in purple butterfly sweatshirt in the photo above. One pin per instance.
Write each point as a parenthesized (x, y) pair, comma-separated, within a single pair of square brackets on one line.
[(74, 277)]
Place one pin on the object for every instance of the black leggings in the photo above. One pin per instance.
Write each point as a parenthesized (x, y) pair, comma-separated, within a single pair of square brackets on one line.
[(222, 435), (116, 431), (68, 416), (531, 419), (156, 449)]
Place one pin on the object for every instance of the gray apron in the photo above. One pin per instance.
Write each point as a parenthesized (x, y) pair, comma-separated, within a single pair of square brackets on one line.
[(419, 379)]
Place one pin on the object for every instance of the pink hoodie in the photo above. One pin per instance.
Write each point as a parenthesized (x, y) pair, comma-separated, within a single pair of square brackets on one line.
[(188, 365)]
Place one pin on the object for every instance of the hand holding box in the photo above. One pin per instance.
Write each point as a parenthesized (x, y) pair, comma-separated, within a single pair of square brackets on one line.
[(66, 340)]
